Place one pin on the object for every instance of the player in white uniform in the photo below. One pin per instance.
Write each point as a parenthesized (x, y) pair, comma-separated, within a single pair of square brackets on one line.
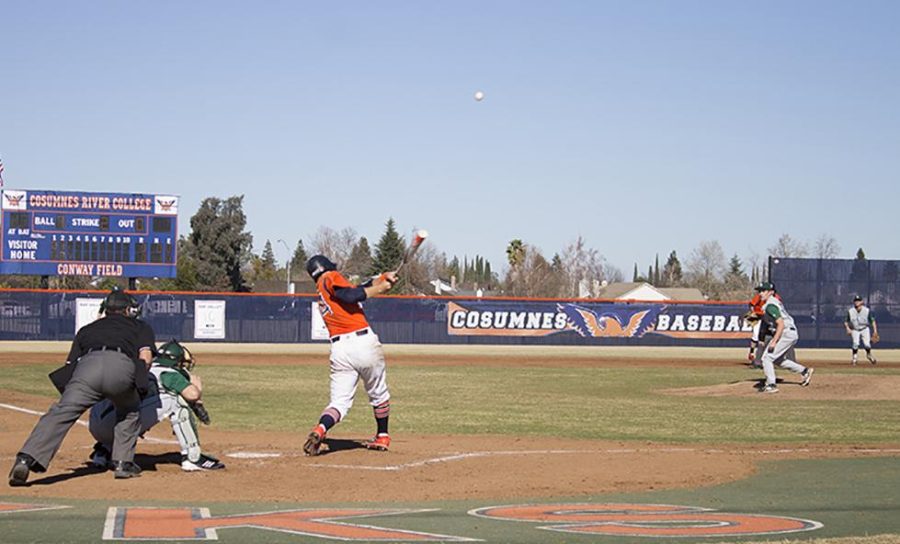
[(780, 349), (174, 395), (859, 321), (356, 353)]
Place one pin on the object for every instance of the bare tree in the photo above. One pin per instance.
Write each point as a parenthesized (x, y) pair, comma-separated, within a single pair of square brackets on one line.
[(786, 246), (335, 245), (705, 268), (530, 274), (826, 247), (582, 265)]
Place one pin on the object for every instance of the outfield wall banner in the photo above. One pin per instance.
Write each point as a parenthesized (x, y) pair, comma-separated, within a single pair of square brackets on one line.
[(282, 318), (595, 320)]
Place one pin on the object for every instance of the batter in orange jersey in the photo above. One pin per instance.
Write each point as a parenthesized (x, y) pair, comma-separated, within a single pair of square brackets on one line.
[(356, 353)]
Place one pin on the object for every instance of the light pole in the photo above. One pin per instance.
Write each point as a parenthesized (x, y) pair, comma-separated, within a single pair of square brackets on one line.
[(288, 286)]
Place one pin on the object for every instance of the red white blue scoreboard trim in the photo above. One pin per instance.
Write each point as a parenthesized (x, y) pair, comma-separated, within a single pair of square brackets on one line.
[(63, 233)]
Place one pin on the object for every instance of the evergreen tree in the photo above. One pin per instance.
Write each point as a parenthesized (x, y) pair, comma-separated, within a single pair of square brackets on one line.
[(360, 261), (388, 251), (488, 275), (634, 276), (264, 266), (268, 256), (218, 244), (735, 267), (650, 274), (453, 269), (672, 275), (859, 274), (656, 271), (298, 260)]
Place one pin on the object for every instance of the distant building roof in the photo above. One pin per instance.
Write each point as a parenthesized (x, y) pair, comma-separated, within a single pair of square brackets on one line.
[(682, 293), (645, 291), (616, 290)]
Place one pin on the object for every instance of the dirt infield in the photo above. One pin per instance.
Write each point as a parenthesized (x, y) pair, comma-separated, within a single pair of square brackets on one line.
[(826, 388), (15, 353), (268, 466)]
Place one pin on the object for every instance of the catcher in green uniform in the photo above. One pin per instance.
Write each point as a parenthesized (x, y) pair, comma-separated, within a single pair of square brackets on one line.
[(175, 394)]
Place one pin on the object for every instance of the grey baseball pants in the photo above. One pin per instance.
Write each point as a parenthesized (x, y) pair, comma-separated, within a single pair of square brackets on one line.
[(98, 375)]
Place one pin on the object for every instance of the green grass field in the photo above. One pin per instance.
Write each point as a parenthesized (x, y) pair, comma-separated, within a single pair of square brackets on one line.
[(851, 497), (620, 403)]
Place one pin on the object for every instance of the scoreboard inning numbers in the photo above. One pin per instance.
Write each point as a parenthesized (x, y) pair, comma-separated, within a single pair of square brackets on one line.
[(58, 233)]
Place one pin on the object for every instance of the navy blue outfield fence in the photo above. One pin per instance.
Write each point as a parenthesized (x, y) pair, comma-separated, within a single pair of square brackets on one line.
[(282, 318), (821, 291)]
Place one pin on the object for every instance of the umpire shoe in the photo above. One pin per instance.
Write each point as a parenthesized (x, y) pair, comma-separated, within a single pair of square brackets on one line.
[(126, 469), (206, 462), (18, 475), (314, 441), (807, 376), (100, 457), (381, 442)]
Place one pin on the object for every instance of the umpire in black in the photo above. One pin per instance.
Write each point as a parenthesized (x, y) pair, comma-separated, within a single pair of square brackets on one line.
[(110, 358)]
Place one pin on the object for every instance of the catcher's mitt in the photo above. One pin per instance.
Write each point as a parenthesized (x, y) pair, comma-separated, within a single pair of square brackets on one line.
[(875, 338), (750, 317), (200, 412)]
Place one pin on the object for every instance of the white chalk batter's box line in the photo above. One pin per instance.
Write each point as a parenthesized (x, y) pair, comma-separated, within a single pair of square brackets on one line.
[(451, 457), (79, 422)]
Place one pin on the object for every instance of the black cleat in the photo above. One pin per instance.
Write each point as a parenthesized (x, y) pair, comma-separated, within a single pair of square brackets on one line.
[(18, 475), (126, 469), (205, 462)]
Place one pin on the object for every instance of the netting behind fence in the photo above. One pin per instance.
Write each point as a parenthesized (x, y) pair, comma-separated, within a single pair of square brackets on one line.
[(821, 292)]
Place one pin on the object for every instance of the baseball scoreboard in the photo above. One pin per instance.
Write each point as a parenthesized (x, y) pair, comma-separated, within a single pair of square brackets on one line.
[(60, 233)]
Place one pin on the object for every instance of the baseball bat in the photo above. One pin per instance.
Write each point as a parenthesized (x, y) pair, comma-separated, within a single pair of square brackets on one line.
[(417, 241)]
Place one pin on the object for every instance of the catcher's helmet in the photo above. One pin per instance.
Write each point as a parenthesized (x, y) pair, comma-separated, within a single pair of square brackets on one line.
[(119, 302), (765, 286), (318, 265), (174, 354)]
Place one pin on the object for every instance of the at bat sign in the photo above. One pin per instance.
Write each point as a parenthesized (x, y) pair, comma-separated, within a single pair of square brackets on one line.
[(418, 238)]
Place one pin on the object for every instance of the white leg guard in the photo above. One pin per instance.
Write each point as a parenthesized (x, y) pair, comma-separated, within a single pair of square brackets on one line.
[(185, 428)]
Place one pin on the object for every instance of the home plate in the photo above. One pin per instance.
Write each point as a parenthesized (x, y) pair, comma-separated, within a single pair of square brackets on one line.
[(252, 455)]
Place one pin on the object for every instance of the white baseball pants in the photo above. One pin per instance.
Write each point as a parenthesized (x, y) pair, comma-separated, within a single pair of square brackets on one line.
[(780, 354), (353, 359), (865, 335)]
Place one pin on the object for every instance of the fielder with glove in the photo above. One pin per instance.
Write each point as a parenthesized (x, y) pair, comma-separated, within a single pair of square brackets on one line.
[(858, 323), (175, 394)]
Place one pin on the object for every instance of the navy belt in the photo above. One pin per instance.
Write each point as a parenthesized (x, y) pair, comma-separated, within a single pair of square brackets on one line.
[(360, 332)]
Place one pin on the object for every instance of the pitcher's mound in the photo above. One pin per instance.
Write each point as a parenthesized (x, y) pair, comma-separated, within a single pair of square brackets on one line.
[(827, 387)]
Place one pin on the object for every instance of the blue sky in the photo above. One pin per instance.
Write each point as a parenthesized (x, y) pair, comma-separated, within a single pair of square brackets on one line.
[(642, 126)]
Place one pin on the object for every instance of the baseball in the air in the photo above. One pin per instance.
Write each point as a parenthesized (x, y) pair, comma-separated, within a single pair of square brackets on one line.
[(422, 234), (479, 96)]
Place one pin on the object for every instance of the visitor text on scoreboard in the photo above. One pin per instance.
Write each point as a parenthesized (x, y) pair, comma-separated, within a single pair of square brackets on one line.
[(61, 233)]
